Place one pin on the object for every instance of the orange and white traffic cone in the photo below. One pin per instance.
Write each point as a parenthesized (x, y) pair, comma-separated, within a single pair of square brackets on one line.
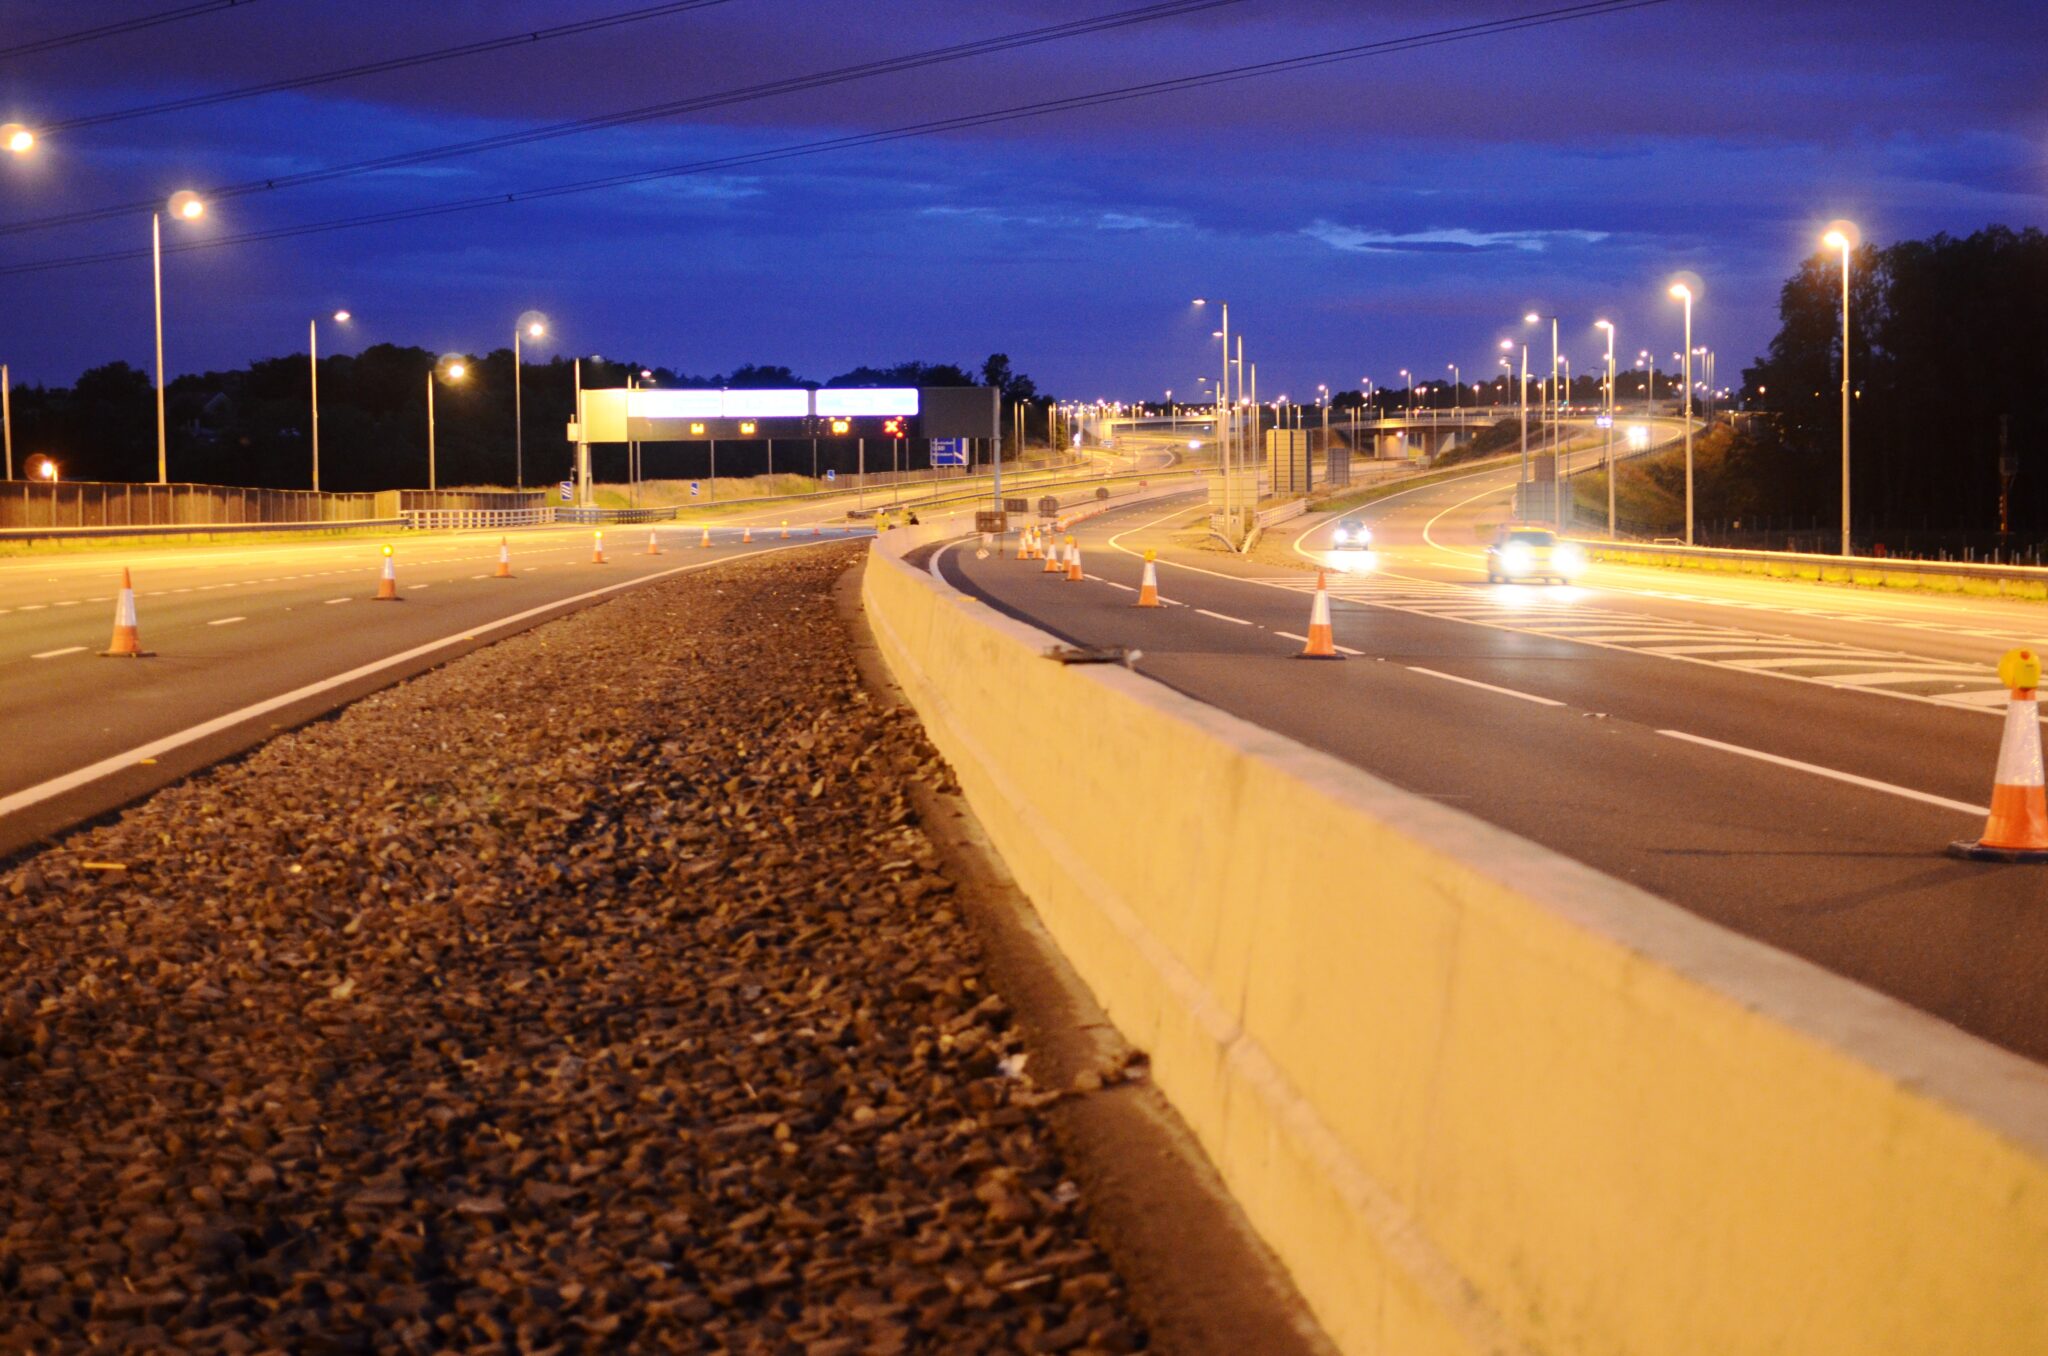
[(746, 536), (653, 546), (1024, 544), (1148, 586), (785, 529), (705, 542), (127, 641), (817, 531), (1322, 641), (504, 559), (2018, 828), (387, 585), (1074, 575), (597, 549), (1052, 560)]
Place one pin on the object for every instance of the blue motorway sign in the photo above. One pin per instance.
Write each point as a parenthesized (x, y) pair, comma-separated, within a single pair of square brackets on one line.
[(949, 451), (693, 489), (831, 474), (568, 489), (1604, 421)]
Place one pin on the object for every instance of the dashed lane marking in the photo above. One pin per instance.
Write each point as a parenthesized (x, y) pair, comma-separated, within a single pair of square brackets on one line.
[(332, 601), (1474, 682), (1234, 621), (226, 621), (52, 654), (1869, 783)]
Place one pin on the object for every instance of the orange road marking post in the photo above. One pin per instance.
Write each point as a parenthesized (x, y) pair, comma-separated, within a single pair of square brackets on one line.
[(504, 559), (1148, 586)]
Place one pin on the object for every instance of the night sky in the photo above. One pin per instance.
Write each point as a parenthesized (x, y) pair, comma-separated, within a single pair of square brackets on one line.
[(1395, 211)]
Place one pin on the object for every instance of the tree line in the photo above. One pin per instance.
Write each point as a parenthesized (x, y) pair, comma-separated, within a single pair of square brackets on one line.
[(251, 426)]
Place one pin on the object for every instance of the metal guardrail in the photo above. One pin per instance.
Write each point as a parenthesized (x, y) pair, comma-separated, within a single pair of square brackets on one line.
[(624, 515), (109, 504), (189, 529), (459, 519)]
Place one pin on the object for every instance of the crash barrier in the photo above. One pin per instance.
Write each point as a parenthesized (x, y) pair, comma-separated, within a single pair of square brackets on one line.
[(504, 501), (1479, 1098), (615, 515), (1938, 576), (461, 518), (1281, 513), (79, 504), (197, 532)]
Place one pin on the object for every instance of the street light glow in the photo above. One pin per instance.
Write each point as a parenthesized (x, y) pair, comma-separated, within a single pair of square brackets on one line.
[(343, 317), (187, 204), (17, 138), (1531, 318), (1680, 292)]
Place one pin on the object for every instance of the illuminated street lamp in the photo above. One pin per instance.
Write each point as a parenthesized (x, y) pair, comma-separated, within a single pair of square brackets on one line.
[(187, 206), (41, 467), (17, 138), (530, 325), (1608, 325), (1508, 346), (313, 363), (1457, 387), (1226, 414), (1682, 292), (450, 368), (1842, 236)]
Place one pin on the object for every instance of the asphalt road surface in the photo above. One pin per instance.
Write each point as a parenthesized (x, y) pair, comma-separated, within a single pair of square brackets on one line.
[(251, 639), (1786, 759)]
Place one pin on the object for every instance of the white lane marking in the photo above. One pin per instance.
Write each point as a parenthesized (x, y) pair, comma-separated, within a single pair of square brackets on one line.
[(332, 601), (1851, 778), (1234, 621), (226, 621), (72, 603), (92, 772), (1112, 583), (1289, 635), (410, 587), (1954, 673), (1474, 682), (52, 654), (1346, 649), (1362, 508), (33, 607)]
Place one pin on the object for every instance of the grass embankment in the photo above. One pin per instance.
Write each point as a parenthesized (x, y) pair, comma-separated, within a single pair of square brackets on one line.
[(1336, 503)]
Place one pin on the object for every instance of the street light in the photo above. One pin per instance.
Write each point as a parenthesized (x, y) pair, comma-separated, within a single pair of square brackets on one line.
[(1226, 415), (17, 138), (530, 325), (41, 467), (313, 365), (1608, 325), (1842, 236), (189, 206), (1457, 388), (1508, 346), (1682, 292), (449, 368)]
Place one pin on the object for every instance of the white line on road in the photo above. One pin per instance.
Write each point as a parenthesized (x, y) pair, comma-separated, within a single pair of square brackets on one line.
[(332, 601), (1474, 682), (52, 654), (1112, 583), (226, 621), (1234, 621), (1851, 778)]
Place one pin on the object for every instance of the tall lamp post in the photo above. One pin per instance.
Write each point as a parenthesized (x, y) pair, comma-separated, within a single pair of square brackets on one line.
[(186, 206), (1682, 292), (1608, 325), (530, 325), (1457, 388), (1842, 236), (1508, 346), (1225, 412), (1532, 319), (451, 369), (313, 365)]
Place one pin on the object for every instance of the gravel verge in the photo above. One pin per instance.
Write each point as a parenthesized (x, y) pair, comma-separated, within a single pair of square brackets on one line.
[(598, 991)]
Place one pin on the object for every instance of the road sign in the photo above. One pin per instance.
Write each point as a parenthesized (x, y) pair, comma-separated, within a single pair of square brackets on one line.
[(1604, 421), (1016, 506), (949, 451), (831, 476), (693, 489), (991, 520), (567, 490)]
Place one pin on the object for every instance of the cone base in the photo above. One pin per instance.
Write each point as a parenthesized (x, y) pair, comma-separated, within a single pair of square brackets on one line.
[(127, 654), (1984, 852), (394, 598), (1319, 656)]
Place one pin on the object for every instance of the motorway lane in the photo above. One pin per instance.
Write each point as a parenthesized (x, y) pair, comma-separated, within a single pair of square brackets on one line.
[(1576, 743), (273, 625)]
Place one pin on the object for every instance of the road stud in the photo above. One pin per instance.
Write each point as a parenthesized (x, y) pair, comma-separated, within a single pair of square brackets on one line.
[(705, 542), (504, 559), (387, 586), (1074, 575), (127, 641), (653, 546), (1148, 586), (1322, 641), (597, 549), (2018, 828)]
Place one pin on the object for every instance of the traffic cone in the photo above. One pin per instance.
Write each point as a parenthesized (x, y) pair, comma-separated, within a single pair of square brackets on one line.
[(504, 560), (746, 536), (1052, 560), (1024, 544), (597, 549), (816, 531), (1074, 575), (127, 641), (1148, 586), (653, 546), (706, 542), (2018, 828), (785, 529), (387, 587), (1322, 642)]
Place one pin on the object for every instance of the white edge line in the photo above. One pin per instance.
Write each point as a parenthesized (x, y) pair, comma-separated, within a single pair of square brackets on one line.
[(92, 772), (1851, 778), (226, 621), (1219, 616), (52, 654), (1474, 682)]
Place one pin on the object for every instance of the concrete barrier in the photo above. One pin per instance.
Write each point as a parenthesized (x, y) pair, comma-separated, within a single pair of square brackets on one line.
[(1478, 1098), (1938, 576)]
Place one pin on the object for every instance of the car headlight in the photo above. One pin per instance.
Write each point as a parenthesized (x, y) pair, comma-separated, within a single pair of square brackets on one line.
[(1569, 558), (1365, 536), (1515, 555), (1343, 535)]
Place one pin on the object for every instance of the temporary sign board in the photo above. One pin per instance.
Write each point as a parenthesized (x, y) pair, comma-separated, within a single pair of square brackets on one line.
[(949, 451), (693, 489), (567, 490), (831, 475), (991, 520)]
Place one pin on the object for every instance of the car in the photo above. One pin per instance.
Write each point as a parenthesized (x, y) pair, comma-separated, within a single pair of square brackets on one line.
[(1352, 535), (1522, 552)]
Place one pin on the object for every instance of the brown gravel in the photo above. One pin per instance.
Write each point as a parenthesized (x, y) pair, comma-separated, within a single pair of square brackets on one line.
[(598, 991)]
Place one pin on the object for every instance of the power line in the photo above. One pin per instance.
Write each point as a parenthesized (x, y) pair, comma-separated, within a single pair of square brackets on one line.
[(403, 63), (116, 29), (1150, 89), (1150, 13)]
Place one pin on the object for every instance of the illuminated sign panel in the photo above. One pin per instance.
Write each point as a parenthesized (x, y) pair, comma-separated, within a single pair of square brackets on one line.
[(765, 404), (866, 402), (674, 404)]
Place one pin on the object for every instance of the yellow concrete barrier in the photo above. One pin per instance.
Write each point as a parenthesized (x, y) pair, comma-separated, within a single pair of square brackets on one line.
[(1480, 1099)]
